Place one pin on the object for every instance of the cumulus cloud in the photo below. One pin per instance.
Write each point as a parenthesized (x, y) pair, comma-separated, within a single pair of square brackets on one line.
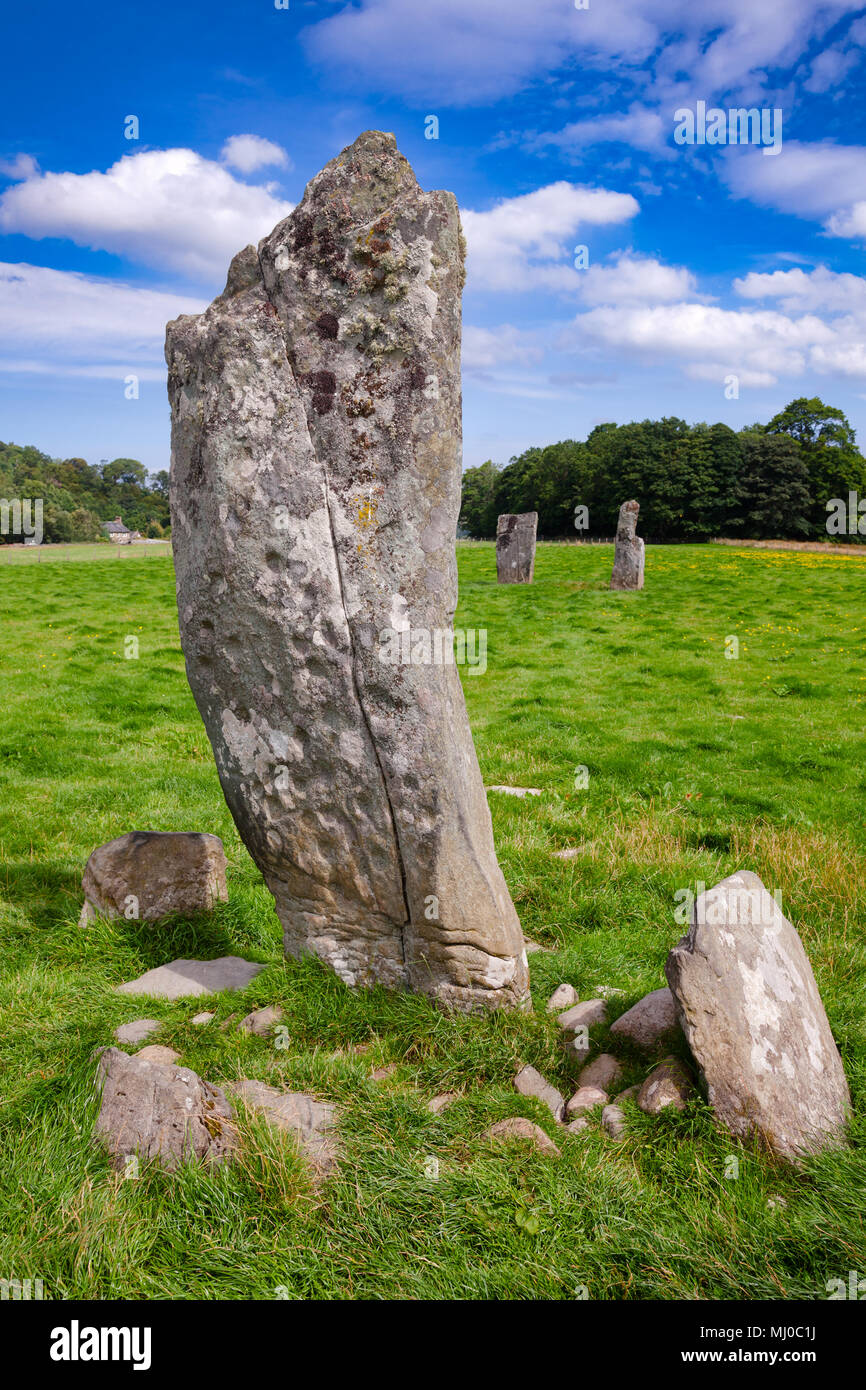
[(246, 153), (73, 324), (168, 208), (527, 242), (23, 166), (491, 347), (819, 180), (630, 279), (801, 290)]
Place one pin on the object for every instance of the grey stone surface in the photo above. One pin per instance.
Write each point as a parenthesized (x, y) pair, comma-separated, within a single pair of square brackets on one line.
[(156, 1052), (516, 1127), (442, 1102), (585, 1098), (669, 1083), (578, 1125), (261, 1022), (650, 1021), (182, 978), (160, 1112), (584, 1015), (315, 489), (200, 1019), (628, 560), (755, 1023), (529, 1082), (515, 548), (613, 1121), (137, 1031), (312, 1122), (149, 874), (603, 1071), (563, 997)]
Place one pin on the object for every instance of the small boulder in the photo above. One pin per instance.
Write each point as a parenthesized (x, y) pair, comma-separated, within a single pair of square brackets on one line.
[(586, 1098), (311, 1121), (440, 1103), (630, 1093), (667, 1084), (261, 1022), (181, 978), (649, 1021), (200, 1019), (604, 1071), (577, 1126), (136, 1031), (516, 1127), (148, 875), (529, 1082), (613, 1121), (160, 1112), (155, 1052), (563, 997), (584, 1015)]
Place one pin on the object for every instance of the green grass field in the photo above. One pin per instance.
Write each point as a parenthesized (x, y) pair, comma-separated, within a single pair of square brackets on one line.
[(697, 765)]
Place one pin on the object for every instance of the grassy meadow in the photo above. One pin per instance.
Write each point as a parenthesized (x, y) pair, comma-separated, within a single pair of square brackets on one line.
[(696, 764)]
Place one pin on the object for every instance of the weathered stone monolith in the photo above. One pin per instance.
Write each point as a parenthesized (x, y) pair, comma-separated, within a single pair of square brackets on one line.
[(628, 555), (315, 488), (515, 548), (753, 1018)]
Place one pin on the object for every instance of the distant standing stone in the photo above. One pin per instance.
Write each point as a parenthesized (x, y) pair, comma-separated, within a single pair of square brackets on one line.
[(650, 1020), (182, 978), (149, 874), (628, 560), (530, 1082), (755, 1022), (515, 548)]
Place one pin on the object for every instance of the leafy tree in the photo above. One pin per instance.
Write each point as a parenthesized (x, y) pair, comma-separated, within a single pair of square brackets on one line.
[(828, 444), (478, 508), (775, 500)]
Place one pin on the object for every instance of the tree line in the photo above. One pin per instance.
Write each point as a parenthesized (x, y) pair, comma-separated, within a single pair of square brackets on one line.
[(77, 496), (693, 482)]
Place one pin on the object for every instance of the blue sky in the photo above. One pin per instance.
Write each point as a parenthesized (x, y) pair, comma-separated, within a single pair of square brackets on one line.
[(555, 130)]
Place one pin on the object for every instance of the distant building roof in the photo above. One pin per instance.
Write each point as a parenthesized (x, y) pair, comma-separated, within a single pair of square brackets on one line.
[(115, 527)]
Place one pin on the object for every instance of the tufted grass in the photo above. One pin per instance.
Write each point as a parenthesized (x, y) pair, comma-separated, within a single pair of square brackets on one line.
[(696, 765)]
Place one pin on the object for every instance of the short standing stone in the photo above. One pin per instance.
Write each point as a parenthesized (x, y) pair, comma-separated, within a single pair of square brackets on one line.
[(603, 1071), (149, 875), (669, 1083), (516, 1127), (261, 1022), (585, 1098), (628, 562), (315, 490), (530, 1082), (515, 548), (754, 1020), (182, 978), (584, 1015), (312, 1122), (136, 1031), (651, 1020), (160, 1112), (563, 997)]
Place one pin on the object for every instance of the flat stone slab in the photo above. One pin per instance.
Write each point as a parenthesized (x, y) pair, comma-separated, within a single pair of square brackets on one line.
[(529, 1082), (160, 1112), (150, 874), (584, 1015), (652, 1019), (137, 1031), (755, 1023), (311, 1121), (516, 1127), (183, 978)]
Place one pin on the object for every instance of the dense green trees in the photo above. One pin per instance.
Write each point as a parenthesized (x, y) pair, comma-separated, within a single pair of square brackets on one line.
[(692, 481), (78, 496)]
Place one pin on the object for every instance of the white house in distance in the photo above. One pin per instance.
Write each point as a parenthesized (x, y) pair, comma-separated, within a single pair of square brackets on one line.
[(120, 534)]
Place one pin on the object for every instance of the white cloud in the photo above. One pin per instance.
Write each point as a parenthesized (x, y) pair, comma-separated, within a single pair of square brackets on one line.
[(72, 324), (527, 242), (451, 52), (491, 347), (23, 166), (246, 153), (851, 223), (631, 279), (166, 208), (821, 181), (639, 127), (800, 290)]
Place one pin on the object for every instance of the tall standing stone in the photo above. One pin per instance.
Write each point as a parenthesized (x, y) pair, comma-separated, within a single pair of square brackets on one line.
[(315, 488), (515, 548), (628, 554), (754, 1020)]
